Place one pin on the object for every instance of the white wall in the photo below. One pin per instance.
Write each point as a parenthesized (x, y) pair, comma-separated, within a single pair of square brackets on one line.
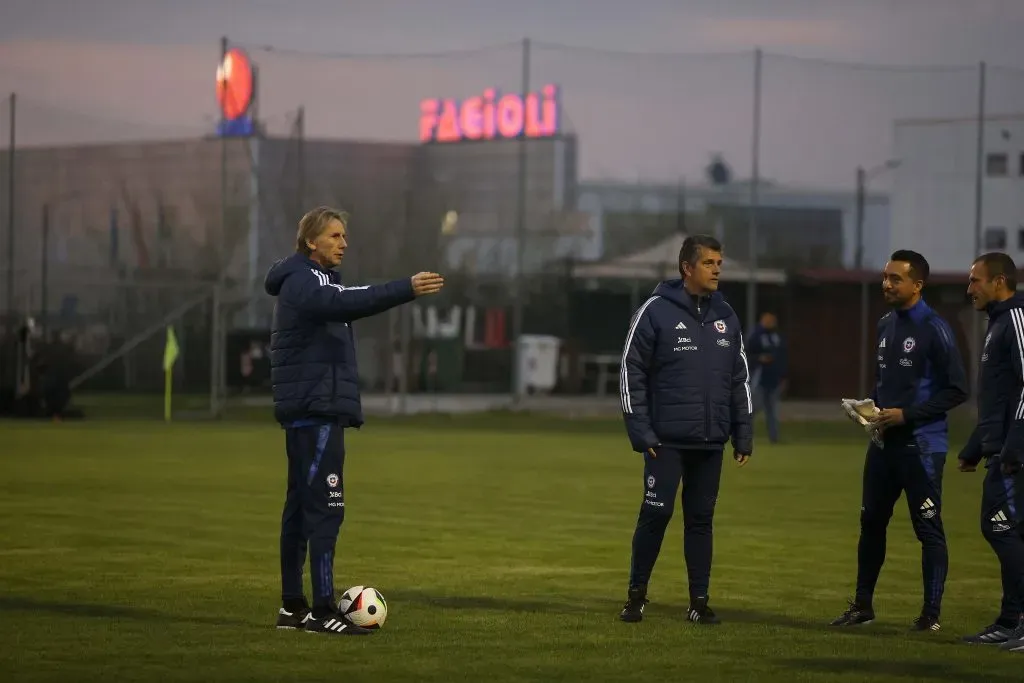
[(933, 199)]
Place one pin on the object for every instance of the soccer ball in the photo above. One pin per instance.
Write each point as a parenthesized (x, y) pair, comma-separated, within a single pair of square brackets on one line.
[(363, 606)]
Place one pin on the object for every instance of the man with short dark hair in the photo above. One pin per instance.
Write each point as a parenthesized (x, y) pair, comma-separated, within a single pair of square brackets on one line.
[(684, 386), (919, 378), (999, 438), (316, 397)]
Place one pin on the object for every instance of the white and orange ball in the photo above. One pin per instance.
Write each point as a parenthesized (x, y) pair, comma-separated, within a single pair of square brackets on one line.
[(363, 606)]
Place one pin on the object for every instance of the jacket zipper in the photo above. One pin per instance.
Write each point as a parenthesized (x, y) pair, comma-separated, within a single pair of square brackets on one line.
[(707, 393), (334, 366)]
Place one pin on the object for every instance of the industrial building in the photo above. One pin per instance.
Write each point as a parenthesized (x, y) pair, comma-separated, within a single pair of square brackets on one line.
[(111, 237)]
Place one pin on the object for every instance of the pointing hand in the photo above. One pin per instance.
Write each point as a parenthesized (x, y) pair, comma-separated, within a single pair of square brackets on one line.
[(426, 283)]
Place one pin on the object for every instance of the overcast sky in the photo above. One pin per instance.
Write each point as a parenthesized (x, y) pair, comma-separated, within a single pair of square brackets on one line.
[(116, 69)]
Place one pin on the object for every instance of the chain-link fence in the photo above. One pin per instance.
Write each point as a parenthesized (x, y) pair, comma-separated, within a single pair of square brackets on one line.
[(507, 168)]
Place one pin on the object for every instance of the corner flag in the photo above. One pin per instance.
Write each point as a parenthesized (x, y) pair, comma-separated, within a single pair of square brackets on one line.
[(170, 356)]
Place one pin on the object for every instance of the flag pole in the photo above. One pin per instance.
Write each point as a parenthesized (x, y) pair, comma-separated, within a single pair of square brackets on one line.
[(167, 395)]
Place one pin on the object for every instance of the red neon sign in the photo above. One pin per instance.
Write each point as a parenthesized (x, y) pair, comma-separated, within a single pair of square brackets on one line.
[(234, 84), (490, 117)]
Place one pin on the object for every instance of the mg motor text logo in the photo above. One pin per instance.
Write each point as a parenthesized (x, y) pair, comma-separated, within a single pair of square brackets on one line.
[(491, 116)]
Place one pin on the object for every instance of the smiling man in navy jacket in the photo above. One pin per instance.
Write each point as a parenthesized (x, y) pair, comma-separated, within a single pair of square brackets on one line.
[(919, 377), (316, 396), (685, 391)]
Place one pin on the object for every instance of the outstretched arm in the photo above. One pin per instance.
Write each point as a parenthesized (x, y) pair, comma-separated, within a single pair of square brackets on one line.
[(317, 296)]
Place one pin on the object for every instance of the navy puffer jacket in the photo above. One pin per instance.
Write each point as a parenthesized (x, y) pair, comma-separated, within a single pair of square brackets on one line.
[(999, 434), (684, 380), (312, 347)]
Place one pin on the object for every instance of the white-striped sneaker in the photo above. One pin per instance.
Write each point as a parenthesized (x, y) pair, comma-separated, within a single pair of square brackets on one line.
[(993, 634), (290, 621), (1015, 642), (335, 624)]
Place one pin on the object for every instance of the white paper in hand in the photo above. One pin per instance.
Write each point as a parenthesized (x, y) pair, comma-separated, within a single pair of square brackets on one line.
[(859, 410)]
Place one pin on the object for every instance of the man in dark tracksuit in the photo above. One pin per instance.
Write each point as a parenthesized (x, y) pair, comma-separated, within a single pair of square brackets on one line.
[(316, 396), (919, 378), (767, 354), (684, 385), (999, 438)]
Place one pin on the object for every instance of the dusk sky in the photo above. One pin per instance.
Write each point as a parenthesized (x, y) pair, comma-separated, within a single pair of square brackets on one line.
[(143, 69)]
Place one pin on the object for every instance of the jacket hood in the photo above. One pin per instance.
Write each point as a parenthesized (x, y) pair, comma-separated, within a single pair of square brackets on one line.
[(280, 271), (674, 291), (997, 309)]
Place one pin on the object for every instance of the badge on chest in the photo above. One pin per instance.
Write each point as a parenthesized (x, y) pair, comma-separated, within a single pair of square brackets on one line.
[(904, 350), (906, 360)]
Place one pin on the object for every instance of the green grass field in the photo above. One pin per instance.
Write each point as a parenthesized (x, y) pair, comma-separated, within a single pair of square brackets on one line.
[(134, 550)]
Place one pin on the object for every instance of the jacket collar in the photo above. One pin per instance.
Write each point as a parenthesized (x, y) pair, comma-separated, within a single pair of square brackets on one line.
[(996, 309), (916, 313)]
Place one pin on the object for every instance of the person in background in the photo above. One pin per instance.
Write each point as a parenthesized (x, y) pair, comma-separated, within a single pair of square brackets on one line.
[(767, 351)]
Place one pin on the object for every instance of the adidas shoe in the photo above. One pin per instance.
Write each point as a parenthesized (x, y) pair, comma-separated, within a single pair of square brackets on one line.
[(700, 613), (335, 624), (926, 622), (855, 615), (1013, 645), (290, 621), (636, 599), (993, 634), (1015, 641)]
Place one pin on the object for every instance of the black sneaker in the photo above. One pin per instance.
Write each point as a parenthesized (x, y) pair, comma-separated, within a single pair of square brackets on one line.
[(290, 621), (1013, 645), (926, 622), (1015, 641), (335, 624), (855, 615), (636, 599), (993, 634), (700, 613)]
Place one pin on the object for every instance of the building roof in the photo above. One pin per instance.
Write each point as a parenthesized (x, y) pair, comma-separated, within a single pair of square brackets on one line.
[(938, 121), (661, 261), (841, 276), (737, 192)]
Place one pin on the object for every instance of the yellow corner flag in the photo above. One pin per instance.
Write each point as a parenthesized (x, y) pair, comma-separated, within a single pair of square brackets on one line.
[(170, 355)]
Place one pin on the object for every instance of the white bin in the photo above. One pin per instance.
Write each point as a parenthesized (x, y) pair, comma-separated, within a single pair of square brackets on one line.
[(538, 363)]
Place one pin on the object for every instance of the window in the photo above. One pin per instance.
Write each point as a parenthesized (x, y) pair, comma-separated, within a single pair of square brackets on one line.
[(997, 165), (995, 239)]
